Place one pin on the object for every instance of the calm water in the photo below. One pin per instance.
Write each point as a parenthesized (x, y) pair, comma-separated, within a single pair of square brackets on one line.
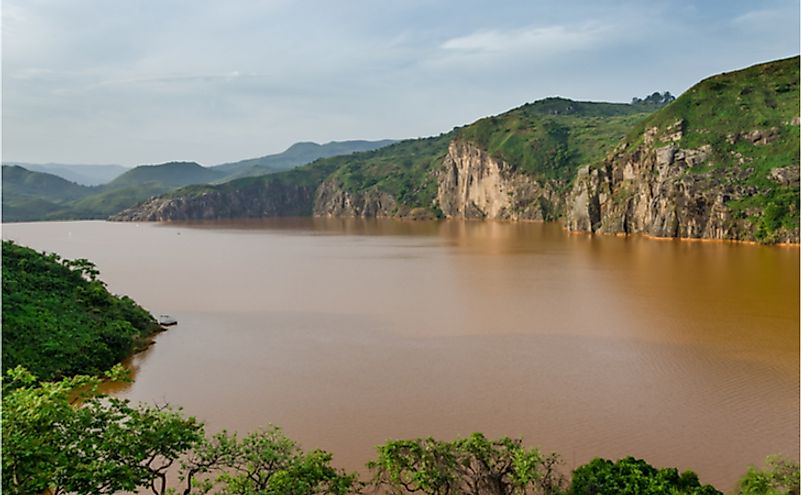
[(349, 332)]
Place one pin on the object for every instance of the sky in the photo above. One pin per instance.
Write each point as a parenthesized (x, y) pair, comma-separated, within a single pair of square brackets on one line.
[(138, 81)]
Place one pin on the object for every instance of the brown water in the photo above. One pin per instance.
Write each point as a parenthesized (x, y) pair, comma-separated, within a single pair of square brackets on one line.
[(348, 332)]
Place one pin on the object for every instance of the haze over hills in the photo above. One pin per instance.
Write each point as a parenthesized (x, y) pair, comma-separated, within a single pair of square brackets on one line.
[(719, 162), (29, 195)]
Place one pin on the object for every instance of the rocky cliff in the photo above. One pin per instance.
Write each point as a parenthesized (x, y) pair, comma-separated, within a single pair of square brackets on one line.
[(661, 189), (269, 199), (473, 184)]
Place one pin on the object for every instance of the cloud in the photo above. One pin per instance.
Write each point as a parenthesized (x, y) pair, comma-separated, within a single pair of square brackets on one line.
[(548, 39)]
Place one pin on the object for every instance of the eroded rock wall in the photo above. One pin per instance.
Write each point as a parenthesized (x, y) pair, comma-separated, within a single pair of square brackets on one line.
[(473, 184)]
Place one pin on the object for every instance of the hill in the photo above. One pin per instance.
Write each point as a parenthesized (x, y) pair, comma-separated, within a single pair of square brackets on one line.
[(296, 155), (85, 175), (54, 310), (33, 195), (721, 161), (167, 175)]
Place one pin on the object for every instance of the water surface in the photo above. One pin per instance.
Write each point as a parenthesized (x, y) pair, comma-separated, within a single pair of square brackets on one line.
[(350, 332)]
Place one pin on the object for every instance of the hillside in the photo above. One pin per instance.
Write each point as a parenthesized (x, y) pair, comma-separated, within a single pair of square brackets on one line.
[(85, 175), (168, 175), (34, 195), (722, 161), (719, 162), (403, 179), (55, 310), (296, 155)]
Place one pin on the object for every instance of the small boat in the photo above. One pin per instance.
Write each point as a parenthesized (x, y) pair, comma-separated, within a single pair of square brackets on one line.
[(166, 320)]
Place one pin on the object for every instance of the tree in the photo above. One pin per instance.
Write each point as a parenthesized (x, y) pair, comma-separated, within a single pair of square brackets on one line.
[(634, 477), (471, 466), (65, 437), (263, 462), (780, 477)]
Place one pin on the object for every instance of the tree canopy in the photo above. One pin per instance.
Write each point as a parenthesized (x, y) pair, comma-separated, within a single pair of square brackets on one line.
[(60, 320)]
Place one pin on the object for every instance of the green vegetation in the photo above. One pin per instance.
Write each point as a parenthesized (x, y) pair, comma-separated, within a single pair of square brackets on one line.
[(64, 437), (472, 465), (780, 477), (59, 319), (552, 138), (103, 445), (635, 477)]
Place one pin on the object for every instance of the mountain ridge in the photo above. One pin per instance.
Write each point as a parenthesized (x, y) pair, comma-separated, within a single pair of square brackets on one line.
[(597, 167)]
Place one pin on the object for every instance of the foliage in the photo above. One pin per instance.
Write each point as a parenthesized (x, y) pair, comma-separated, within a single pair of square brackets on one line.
[(66, 438), (654, 98), (58, 318), (263, 462), (779, 477), (634, 477), (471, 466)]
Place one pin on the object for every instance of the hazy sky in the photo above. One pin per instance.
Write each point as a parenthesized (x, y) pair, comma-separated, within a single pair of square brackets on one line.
[(130, 82)]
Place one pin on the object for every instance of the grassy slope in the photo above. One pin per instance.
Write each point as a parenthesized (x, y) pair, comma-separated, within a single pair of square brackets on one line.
[(551, 138), (58, 323), (715, 110)]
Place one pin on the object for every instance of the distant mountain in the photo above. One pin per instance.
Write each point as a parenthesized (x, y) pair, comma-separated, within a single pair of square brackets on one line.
[(296, 155), (29, 195), (86, 175), (169, 175), (32, 195)]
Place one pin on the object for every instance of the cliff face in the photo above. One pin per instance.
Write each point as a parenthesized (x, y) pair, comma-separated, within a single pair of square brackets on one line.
[(270, 199), (332, 200), (660, 189), (473, 184)]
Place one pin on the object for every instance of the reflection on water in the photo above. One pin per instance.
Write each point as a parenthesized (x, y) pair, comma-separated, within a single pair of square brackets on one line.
[(348, 332)]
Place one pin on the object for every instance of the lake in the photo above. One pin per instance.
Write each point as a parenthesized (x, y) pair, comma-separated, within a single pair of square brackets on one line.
[(348, 332)]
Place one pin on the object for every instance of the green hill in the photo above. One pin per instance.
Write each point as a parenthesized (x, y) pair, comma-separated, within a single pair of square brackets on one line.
[(59, 319), (37, 184), (85, 175), (168, 175), (721, 161)]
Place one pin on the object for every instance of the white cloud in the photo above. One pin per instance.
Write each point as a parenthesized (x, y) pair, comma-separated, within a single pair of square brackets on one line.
[(547, 39)]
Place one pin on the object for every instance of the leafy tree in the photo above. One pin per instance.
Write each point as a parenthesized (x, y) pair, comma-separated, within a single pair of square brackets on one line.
[(634, 477), (779, 477), (63, 437), (263, 462), (471, 466)]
